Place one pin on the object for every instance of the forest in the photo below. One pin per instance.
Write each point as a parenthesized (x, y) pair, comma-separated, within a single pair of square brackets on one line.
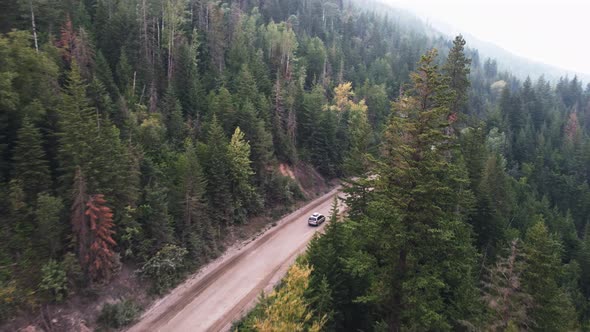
[(142, 132)]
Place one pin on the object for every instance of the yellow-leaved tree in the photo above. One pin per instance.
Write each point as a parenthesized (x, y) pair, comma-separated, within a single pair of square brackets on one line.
[(359, 129), (287, 310)]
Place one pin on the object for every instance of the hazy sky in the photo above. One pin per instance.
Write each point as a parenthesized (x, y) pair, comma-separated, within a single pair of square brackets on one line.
[(555, 32)]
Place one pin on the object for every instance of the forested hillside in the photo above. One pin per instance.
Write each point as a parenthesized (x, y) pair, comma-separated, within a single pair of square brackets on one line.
[(145, 131)]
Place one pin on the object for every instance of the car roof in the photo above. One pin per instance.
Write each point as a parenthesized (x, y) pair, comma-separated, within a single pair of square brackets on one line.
[(315, 214)]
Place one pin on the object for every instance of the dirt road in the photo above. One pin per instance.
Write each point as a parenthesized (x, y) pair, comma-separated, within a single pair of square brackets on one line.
[(225, 289)]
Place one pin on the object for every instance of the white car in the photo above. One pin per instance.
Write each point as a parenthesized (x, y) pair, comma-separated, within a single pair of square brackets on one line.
[(316, 219)]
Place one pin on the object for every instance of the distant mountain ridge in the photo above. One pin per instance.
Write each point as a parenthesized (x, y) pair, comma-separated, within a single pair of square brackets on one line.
[(519, 66)]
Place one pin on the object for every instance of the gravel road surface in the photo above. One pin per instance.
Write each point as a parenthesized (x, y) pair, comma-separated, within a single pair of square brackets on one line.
[(227, 288)]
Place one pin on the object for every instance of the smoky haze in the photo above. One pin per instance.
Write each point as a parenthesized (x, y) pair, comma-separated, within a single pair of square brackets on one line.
[(552, 32)]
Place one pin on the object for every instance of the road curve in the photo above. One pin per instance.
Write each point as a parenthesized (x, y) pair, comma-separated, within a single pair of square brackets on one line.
[(226, 288)]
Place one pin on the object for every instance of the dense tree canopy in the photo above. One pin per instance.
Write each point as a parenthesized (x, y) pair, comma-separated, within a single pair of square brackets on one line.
[(145, 131)]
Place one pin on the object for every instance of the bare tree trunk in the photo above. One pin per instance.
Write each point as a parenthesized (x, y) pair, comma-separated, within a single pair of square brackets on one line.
[(187, 214), (142, 94), (341, 72), (133, 89), (287, 66), (324, 71), (97, 122), (158, 30), (192, 15), (207, 18), (323, 16), (145, 30), (153, 98), (34, 26), (154, 42), (170, 45)]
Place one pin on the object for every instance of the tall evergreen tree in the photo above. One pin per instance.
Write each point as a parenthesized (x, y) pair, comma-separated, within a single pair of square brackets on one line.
[(30, 164), (457, 69), (246, 200), (431, 282), (51, 228), (552, 307), (507, 301), (195, 229), (155, 218), (217, 168)]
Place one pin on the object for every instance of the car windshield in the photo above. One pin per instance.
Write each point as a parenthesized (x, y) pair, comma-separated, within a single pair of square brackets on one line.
[(312, 218)]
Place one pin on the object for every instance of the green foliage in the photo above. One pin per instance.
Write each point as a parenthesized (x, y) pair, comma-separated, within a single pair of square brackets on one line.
[(508, 303), (245, 197), (217, 167), (282, 190), (165, 268), (334, 211), (50, 224), (196, 232), (124, 100), (11, 299), (155, 218), (457, 69), (553, 309), (73, 270), (54, 281), (119, 314), (30, 163)]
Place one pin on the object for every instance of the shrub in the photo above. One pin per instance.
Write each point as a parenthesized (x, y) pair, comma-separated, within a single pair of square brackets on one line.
[(282, 190), (8, 299), (116, 315), (165, 268), (71, 266), (54, 281)]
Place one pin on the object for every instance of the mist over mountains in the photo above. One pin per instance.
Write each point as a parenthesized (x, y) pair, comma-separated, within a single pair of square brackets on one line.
[(517, 65)]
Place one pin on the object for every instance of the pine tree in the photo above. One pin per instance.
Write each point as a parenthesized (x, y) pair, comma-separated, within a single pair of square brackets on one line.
[(50, 227), (334, 211), (308, 116), (77, 122), (93, 144), (246, 201), (552, 309), (124, 74), (507, 301), (259, 138), (326, 149), (80, 226), (155, 218), (187, 80), (246, 89), (172, 115), (217, 168), (195, 231), (105, 75), (222, 107), (99, 99), (457, 68), (30, 163), (280, 123), (19, 221), (100, 260), (424, 182), (494, 203), (583, 258)]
